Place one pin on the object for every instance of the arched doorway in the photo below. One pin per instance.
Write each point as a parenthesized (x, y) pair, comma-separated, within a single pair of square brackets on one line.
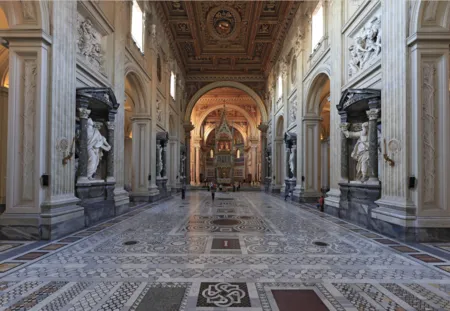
[(316, 124), (243, 116), (136, 136), (280, 155), (4, 133)]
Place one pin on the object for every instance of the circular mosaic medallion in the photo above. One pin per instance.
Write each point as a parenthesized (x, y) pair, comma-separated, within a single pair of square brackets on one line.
[(226, 222), (158, 68), (223, 22)]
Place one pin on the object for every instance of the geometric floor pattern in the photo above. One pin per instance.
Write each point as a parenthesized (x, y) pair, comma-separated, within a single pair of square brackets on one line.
[(246, 251)]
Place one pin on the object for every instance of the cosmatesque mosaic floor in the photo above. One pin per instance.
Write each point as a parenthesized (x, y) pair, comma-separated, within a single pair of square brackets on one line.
[(246, 251)]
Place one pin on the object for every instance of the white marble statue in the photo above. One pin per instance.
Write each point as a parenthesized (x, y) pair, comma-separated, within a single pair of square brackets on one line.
[(361, 151), (183, 159), (95, 144), (292, 162), (160, 162)]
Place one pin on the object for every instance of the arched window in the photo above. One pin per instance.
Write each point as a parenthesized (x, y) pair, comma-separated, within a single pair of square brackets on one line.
[(137, 26), (317, 26), (172, 84), (238, 154), (211, 154)]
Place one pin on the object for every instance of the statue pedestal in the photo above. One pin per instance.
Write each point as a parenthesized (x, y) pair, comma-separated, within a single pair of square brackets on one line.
[(267, 182), (357, 202), (161, 183), (290, 184), (97, 199)]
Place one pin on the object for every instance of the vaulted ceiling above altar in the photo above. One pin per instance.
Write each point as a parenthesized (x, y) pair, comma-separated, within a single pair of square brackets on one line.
[(242, 112)]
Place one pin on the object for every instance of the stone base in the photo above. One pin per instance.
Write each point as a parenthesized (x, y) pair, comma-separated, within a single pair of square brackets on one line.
[(57, 219), (275, 189), (2, 208), (161, 183), (357, 201), (97, 198), (139, 197), (121, 196), (306, 197)]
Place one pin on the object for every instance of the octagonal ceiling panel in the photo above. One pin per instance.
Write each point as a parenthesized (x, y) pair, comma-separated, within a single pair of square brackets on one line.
[(228, 37)]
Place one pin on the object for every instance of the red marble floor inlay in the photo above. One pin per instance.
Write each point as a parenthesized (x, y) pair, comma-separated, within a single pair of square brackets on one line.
[(226, 244), (298, 300), (31, 256), (404, 249), (386, 241), (52, 247), (426, 258)]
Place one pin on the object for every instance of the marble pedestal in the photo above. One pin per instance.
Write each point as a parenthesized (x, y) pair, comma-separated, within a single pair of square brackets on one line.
[(161, 183), (267, 183), (289, 187), (97, 199), (356, 203), (54, 221)]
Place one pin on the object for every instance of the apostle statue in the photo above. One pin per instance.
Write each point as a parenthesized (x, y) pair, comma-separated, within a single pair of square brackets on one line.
[(95, 144), (183, 159), (291, 162), (361, 151)]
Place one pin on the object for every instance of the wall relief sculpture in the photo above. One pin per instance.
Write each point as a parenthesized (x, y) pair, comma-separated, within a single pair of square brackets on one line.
[(366, 48), (89, 44), (159, 116), (293, 112)]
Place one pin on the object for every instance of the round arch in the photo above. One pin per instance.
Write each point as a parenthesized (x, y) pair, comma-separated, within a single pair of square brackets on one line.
[(314, 96), (137, 83), (241, 110), (429, 14), (33, 14), (240, 130), (232, 84)]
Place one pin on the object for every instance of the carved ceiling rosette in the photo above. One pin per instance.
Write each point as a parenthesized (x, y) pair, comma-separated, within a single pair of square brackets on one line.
[(224, 23)]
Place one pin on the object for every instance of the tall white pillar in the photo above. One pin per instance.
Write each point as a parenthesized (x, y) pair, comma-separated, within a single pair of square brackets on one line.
[(3, 142), (140, 163)]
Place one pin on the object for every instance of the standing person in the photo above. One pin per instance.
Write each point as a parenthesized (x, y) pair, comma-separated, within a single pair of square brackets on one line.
[(321, 203), (183, 191), (213, 192)]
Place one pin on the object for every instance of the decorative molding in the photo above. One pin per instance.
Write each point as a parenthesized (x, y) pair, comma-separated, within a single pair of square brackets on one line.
[(29, 13), (89, 44), (429, 132), (366, 49), (293, 111), (238, 78)]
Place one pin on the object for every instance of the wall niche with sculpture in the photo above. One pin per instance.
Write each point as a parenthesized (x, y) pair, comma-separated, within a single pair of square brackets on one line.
[(94, 157), (360, 114), (162, 139)]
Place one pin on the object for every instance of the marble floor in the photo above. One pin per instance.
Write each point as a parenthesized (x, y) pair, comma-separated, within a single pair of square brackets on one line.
[(246, 251)]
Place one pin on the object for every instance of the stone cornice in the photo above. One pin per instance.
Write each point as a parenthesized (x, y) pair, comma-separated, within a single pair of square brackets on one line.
[(238, 78)]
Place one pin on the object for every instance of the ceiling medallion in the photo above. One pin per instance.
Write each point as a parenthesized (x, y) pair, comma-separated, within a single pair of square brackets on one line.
[(224, 22)]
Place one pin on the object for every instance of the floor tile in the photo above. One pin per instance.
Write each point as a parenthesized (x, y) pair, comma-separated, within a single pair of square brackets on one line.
[(6, 266), (426, 258), (31, 256)]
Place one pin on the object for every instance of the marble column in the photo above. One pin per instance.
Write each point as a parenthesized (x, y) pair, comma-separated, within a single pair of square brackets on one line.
[(158, 159), (254, 162), (264, 169), (83, 153), (373, 144), (197, 164), (344, 153), (3, 142), (188, 127), (325, 178), (110, 176)]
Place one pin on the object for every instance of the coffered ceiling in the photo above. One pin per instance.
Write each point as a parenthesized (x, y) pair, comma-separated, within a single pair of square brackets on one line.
[(240, 39)]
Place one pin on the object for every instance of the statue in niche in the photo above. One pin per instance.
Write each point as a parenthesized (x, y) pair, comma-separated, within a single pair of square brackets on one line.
[(269, 163), (160, 163), (361, 151), (292, 162), (183, 159), (95, 144)]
